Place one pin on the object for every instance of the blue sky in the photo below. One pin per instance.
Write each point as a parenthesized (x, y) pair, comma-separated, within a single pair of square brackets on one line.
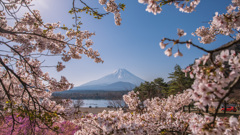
[(135, 44)]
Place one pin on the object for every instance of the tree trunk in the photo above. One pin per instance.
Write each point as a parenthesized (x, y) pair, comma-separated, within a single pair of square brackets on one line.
[(189, 108), (207, 108), (225, 107)]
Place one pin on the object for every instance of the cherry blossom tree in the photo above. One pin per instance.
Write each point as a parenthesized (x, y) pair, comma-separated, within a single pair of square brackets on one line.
[(24, 87)]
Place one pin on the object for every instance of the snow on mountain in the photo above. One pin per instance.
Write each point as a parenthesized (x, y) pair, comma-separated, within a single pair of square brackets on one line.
[(121, 79), (120, 75)]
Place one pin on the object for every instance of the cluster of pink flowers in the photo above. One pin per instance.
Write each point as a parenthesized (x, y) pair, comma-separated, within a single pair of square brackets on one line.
[(223, 126), (157, 116), (206, 34), (154, 6), (183, 7), (111, 6), (27, 126), (211, 80), (132, 100), (225, 24)]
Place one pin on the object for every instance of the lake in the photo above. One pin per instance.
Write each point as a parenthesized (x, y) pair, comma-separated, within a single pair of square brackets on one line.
[(101, 103), (95, 103)]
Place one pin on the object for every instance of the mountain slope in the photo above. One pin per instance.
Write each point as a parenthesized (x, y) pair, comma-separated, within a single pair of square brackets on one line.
[(121, 79), (120, 86), (117, 86)]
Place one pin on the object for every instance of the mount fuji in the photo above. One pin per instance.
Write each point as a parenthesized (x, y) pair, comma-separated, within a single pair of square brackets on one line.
[(120, 80)]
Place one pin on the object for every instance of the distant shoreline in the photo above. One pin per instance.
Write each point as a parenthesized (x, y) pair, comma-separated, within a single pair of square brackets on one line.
[(90, 94)]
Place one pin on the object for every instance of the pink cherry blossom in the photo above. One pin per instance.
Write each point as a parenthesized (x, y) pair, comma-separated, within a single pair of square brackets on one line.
[(178, 53), (168, 52), (181, 33)]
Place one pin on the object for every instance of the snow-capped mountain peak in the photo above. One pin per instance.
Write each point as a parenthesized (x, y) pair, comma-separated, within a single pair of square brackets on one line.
[(120, 70), (120, 75)]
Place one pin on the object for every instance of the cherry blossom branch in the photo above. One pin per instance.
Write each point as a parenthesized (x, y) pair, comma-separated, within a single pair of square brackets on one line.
[(211, 52), (35, 101), (21, 56), (95, 12), (9, 97), (231, 88), (42, 36), (40, 21), (203, 49)]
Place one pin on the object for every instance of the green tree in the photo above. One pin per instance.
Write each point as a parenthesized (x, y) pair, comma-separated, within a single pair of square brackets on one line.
[(152, 89), (179, 81), (161, 86)]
